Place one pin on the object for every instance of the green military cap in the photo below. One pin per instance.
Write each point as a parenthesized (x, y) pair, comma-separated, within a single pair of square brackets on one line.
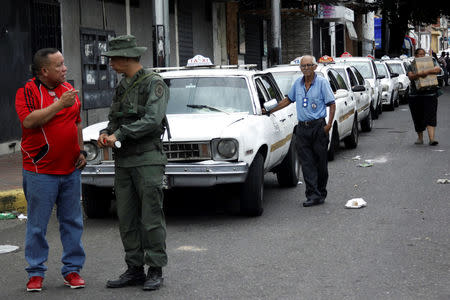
[(124, 46)]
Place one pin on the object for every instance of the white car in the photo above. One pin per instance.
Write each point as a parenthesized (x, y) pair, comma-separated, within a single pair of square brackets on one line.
[(218, 136), (345, 127), (399, 67), (366, 66), (360, 89), (390, 85)]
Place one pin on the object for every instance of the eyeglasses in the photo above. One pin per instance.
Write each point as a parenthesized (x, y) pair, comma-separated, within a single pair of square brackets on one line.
[(307, 65)]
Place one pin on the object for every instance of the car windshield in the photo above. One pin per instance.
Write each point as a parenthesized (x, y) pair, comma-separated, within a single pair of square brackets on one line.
[(363, 68), (396, 68), (195, 95), (381, 69), (285, 80)]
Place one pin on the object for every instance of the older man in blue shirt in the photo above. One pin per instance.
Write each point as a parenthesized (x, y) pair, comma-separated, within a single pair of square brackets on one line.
[(312, 95)]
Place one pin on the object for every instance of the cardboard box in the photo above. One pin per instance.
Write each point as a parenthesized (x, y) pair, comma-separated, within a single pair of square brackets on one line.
[(422, 64)]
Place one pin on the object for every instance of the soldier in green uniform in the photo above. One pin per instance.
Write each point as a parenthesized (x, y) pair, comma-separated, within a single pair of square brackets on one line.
[(136, 125)]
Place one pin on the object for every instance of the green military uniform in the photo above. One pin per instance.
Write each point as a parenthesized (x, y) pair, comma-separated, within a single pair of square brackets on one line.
[(136, 119)]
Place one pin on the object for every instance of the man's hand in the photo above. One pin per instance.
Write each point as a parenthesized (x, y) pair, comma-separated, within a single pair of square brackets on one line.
[(68, 98), (101, 141), (327, 128), (105, 140), (81, 162)]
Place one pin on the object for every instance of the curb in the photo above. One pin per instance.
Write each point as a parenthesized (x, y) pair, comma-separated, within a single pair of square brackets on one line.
[(13, 200)]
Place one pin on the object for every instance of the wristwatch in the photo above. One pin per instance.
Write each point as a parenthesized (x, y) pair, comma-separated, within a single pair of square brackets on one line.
[(117, 144), (84, 153)]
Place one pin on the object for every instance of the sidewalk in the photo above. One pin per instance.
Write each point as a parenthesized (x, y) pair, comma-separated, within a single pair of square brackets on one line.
[(11, 193)]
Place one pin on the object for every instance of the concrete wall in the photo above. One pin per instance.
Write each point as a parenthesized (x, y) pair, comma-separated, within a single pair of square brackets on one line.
[(89, 14)]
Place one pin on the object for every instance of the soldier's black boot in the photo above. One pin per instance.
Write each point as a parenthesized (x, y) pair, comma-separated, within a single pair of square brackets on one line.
[(132, 276), (154, 279)]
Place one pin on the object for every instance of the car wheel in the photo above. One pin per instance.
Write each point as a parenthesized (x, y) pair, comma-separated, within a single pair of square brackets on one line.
[(352, 140), (96, 201), (397, 101), (252, 190), (334, 143), (380, 108), (367, 123), (374, 111), (288, 173)]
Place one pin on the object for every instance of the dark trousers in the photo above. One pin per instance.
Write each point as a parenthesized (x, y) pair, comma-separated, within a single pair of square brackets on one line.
[(142, 223), (312, 147), (423, 111)]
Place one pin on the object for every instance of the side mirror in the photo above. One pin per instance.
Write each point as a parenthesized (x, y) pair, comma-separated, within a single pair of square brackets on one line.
[(271, 104), (380, 76), (341, 94), (358, 88), (394, 74)]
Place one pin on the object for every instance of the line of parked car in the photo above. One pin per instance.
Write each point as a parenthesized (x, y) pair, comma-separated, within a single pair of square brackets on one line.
[(220, 136)]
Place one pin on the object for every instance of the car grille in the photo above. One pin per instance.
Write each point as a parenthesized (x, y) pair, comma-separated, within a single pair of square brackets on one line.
[(187, 151)]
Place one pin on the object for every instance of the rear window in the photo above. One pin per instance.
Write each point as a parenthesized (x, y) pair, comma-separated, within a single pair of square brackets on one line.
[(381, 69), (196, 95), (285, 80), (396, 68), (363, 68)]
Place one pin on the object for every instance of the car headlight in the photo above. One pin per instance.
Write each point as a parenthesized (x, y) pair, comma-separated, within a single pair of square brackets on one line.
[(92, 151), (385, 87), (225, 149), (400, 85)]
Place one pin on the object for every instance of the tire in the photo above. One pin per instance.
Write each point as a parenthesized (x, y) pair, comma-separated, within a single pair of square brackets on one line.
[(96, 201), (351, 141), (374, 111), (367, 123), (380, 109), (252, 190), (397, 101), (334, 144), (288, 173)]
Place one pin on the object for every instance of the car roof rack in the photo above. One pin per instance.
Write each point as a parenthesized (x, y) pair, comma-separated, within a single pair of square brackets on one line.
[(164, 69)]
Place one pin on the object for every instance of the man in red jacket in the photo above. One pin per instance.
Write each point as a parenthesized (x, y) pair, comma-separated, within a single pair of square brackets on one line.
[(49, 111)]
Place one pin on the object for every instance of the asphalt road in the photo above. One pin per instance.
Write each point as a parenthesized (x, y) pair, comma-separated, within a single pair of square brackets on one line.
[(398, 247)]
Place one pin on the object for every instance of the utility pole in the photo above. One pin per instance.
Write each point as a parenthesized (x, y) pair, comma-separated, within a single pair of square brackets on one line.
[(276, 33), (161, 45)]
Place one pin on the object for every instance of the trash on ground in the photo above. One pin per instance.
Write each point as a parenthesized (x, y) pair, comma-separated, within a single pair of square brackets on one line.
[(357, 157), (299, 182), (443, 180), (366, 165), (356, 203), (7, 248), (5, 216), (22, 217)]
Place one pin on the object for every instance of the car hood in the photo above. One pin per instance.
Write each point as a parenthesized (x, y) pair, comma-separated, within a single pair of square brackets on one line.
[(184, 127), (92, 132), (201, 127)]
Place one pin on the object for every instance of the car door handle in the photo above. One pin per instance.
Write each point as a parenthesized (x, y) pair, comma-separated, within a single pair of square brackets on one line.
[(282, 120), (345, 102), (290, 115)]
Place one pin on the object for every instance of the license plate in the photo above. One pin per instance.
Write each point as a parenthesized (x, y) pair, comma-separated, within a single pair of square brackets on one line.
[(165, 182)]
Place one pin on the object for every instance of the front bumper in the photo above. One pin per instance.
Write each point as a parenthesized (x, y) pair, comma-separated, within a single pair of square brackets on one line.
[(202, 174)]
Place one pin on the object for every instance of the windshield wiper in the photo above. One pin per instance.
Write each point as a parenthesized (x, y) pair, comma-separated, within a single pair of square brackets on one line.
[(208, 107)]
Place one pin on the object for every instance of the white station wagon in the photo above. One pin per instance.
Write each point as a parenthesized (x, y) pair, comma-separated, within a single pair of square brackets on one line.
[(218, 136)]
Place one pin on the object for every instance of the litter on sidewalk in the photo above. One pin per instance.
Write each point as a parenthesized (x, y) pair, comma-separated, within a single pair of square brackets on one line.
[(7, 248), (443, 180), (356, 203), (6, 216), (365, 165)]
